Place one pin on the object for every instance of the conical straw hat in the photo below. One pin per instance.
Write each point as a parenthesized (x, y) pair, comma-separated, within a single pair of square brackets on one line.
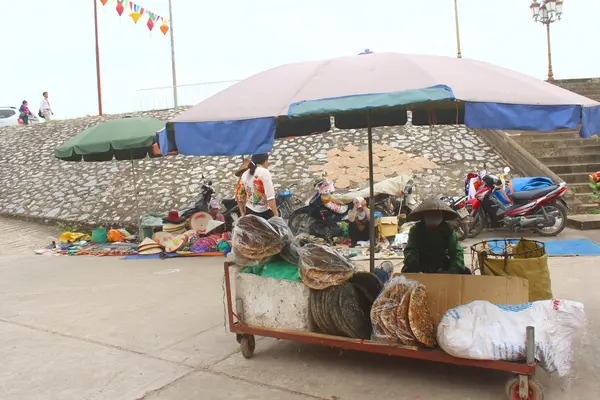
[(432, 204)]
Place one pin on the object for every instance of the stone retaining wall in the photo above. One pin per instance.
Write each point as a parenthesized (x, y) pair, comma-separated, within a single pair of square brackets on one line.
[(36, 185)]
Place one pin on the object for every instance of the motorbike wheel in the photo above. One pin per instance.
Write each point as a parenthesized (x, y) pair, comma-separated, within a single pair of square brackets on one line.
[(462, 231), (300, 222), (477, 223), (560, 213), (285, 211)]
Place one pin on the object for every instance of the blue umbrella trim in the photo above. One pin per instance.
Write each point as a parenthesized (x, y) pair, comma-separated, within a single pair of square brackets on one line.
[(363, 102)]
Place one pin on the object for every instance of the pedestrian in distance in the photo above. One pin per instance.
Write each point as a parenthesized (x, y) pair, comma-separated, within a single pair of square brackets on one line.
[(24, 112), (45, 109)]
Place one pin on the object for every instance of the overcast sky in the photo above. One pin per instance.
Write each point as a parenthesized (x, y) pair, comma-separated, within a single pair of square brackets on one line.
[(48, 45)]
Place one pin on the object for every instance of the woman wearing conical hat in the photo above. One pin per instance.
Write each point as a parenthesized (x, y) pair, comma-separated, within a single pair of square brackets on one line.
[(432, 244)]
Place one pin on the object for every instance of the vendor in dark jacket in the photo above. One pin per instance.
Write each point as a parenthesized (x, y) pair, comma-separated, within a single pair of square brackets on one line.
[(432, 244)]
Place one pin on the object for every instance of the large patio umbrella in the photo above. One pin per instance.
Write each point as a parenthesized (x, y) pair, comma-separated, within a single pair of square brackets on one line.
[(121, 139), (369, 90)]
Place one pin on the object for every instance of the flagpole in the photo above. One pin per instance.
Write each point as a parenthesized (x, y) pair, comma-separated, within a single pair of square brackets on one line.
[(173, 70), (97, 59), (458, 52)]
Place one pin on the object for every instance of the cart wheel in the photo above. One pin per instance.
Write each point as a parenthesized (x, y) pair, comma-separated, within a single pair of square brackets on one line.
[(238, 337), (536, 391), (247, 345)]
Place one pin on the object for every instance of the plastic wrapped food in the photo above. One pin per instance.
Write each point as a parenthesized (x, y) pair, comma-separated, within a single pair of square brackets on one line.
[(400, 314), (322, 267), (255, 240), (282, 228), (291, 248)]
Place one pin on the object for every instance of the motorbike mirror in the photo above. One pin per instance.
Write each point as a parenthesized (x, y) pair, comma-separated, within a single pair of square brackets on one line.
[(202, 176), (209, 183), (506, 170)]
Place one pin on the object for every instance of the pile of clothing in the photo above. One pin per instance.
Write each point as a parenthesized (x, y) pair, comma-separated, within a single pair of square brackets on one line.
[(113, 242)]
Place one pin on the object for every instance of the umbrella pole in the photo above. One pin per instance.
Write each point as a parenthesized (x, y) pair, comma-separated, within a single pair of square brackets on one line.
[(135, 199), (371, 198)]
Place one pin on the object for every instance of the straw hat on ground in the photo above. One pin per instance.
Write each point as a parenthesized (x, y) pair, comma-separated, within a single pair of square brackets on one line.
[(177, 243), (174, 229), (432, 204), (149, 246), (162, 237)]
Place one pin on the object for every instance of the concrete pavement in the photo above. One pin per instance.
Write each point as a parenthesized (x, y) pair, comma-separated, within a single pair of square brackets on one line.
[(100, 328)]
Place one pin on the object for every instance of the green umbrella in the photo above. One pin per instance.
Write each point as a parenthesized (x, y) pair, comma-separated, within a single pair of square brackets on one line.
[(120, 139)]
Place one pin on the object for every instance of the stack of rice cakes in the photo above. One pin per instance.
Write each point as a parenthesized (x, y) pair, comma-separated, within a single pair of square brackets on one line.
[(401, 314), (254, 239), (344, 310), (351, 165), (341, 298), (322, 267)]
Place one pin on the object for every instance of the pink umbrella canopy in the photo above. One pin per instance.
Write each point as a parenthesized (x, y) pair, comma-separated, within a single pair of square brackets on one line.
[(297, 99)]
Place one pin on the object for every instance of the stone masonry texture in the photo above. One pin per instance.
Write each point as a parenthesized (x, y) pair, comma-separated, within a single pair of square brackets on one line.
[(36, 185)]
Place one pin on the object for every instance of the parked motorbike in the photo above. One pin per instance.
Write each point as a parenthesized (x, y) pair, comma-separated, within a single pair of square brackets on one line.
[(203, 200), (544, 210), (321, 216), (461, 224)]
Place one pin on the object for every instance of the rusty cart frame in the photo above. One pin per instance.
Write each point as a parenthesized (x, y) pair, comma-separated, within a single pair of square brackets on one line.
[(523, 386)]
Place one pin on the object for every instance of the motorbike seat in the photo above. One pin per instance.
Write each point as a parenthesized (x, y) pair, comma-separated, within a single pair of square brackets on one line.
[(229, 203), (532, 194)]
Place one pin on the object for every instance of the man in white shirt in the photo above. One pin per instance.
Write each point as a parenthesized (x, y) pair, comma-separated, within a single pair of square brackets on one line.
[(45, 108)]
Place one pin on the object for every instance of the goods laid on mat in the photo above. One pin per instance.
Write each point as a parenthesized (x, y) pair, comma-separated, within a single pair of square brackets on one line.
[(401, 314), (484, 331), (322, 267), (102, 242), (344, 310)]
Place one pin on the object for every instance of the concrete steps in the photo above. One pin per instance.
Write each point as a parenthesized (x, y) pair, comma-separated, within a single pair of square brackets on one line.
[(593, 159), (583, 168), (526, 136), (546, 150), (576, 177), (565, 153), (584, 222)]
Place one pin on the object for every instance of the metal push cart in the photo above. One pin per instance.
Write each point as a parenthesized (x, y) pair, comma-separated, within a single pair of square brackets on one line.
[(523, 386)]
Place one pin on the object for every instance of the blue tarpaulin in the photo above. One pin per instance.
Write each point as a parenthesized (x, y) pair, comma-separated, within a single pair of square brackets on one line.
[(522, 185)]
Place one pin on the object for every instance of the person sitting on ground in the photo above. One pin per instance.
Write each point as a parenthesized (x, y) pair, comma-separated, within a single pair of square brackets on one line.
[(432, 244), (358, 219), (25, 112), (213, 210), (255, 193)]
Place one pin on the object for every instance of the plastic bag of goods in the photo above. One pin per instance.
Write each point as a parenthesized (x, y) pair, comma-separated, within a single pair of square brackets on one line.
[(484, 331), (401, 314), (291, 248), (322, 267), (254, 240)]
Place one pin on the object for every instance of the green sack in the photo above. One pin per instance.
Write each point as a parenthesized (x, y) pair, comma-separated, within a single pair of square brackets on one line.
[(276, 269)]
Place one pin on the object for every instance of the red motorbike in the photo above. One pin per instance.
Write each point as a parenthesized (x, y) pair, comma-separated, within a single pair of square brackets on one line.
[(543, 210)]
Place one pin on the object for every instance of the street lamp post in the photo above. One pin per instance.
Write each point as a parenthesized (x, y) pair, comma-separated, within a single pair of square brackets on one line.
[(547, 12)]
